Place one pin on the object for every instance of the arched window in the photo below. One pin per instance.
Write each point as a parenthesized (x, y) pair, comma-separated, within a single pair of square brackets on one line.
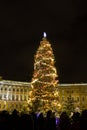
[(21, 90), (17, 90), (13, 89), (5, 89)]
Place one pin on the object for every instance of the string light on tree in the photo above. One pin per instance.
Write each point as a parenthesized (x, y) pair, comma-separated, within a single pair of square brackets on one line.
[(44, 81)]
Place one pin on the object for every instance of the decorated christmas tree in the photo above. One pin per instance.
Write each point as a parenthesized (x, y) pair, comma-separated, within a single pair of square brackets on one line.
[(44, 95)]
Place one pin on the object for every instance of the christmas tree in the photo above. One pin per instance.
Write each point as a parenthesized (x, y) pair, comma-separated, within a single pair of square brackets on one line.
[(44, 82)]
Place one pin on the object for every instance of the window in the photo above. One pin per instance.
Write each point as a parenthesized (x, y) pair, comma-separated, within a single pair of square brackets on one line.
[(25, 90), (21, 90), (9, 97), (16, 105), (17, 90), (17, 97), (12, 105), (24, 97), (13, 97), (73, 98), (83, 98), (21, 97), (1, 89), (67, 98), (9, 89), (67, 91), (13, 89), (5, 89), (72, 91), (20, 106), (77, 98), (5, 96)]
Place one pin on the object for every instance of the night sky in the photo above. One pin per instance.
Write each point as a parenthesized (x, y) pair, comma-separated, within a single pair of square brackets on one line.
[(22, 24)]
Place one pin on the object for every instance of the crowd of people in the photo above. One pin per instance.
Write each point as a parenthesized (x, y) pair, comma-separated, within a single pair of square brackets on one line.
[(37, 121)]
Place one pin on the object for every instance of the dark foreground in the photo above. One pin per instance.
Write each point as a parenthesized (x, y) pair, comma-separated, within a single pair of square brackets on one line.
[(32, 121)]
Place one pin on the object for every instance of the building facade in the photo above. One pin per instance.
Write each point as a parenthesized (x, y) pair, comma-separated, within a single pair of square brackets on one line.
[(15, 95), (78, 93)]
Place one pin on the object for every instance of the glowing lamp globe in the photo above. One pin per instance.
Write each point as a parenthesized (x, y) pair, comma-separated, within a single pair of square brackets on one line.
[(44, 34)]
